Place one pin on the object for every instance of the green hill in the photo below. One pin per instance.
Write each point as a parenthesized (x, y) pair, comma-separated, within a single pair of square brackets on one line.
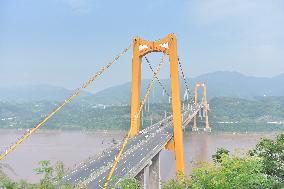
[(259, 114), (226, 114)]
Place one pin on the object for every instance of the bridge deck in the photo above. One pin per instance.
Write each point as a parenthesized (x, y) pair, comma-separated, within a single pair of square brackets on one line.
[(137, 154)]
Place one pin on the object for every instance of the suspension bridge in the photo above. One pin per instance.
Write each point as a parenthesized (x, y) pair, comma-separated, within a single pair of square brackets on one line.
[(137, 156)]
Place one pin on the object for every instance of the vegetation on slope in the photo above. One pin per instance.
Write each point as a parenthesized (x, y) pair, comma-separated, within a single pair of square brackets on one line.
[(51, 178), (74, 116), (240, 115), (226, 114), (247, 111)]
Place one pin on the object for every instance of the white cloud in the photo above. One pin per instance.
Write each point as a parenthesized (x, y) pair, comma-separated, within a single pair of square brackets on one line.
[(80, 7)]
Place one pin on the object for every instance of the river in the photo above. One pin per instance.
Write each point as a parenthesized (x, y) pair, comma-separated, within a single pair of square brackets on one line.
[(72, 147)]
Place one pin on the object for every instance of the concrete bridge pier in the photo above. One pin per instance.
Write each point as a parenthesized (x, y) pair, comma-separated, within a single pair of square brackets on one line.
[(150, 177)]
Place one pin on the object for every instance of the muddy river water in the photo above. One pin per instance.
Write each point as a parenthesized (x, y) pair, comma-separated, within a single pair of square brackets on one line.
[(72, 147)]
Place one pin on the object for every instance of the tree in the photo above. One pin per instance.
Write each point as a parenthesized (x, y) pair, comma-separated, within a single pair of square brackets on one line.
[(51, 178), (217, 156), (272, 154), (232, 172), (129, 183), (182, 183)]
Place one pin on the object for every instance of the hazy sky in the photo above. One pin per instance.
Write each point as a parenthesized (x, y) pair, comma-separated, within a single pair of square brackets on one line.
[(63, 42)]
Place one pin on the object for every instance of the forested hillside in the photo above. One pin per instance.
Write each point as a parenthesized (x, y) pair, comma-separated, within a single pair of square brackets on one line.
[(226, 114), (260, 114)]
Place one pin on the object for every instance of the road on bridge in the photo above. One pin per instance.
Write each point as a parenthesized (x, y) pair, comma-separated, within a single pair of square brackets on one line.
[(137, 154)]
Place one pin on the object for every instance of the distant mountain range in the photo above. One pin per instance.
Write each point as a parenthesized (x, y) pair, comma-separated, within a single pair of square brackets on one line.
[(36, 93), (219, 84)]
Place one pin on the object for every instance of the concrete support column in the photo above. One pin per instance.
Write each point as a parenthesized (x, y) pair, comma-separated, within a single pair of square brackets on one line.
[(140, 177), (150, 176), (146, 177), (155, 176), (143, 177)]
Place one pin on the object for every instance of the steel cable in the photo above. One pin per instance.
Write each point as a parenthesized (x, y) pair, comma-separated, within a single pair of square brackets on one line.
[(67, 101)]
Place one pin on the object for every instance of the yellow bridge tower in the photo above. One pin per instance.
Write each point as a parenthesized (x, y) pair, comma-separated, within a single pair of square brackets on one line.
[(205, 106), (168, 46)]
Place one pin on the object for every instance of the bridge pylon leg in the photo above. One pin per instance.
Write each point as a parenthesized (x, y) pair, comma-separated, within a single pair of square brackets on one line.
[(194, 128), (207, 127), (176, 107), (135, 90)]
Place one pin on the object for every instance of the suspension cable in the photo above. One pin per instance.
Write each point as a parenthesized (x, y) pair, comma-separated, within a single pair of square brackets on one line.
[(159, 81), (183, 76), (67, 101), (184, 79), (118, 157), (151, 85)]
